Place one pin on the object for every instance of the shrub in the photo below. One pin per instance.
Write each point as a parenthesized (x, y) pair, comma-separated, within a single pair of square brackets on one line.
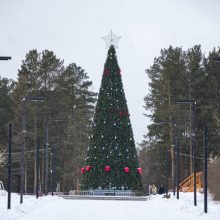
[(214, 177)]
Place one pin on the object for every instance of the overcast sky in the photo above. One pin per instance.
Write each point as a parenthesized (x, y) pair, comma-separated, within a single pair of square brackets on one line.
[(73, 30)]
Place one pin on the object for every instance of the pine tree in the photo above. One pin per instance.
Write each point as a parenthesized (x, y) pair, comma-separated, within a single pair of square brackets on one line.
[(68, 95), (77, 110), (112, 158), (166, 75), (180, 75), (6, 87)]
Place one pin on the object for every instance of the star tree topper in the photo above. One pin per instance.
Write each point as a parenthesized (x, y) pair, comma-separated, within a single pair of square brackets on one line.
[(111, 39)]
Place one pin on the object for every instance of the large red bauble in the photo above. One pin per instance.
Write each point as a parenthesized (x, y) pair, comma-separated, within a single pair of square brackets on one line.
[(107, 168), (126, 169), (88, 168), (106, 72), (82, 170), (139, 169)]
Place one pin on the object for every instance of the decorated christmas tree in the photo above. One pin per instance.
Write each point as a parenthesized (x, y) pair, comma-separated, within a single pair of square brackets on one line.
[(111, 158)]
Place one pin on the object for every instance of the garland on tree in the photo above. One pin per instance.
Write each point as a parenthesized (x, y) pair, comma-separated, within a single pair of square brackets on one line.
[(111, 157)]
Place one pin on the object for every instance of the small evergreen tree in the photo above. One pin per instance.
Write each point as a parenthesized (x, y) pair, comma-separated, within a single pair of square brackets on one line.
[(112, 158)]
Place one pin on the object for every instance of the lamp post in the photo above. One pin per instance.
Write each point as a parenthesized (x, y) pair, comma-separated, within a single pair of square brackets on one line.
[(166, 170), (174, 171), (5, 58), (37, 166), (52, 168), (193, 103), (47, 123), (177, 169), (205, 153), (23, 142), (205, 169), (23, 148), (9, 163)]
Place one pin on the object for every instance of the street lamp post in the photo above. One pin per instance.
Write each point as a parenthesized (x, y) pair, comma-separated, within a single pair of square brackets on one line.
[(175, 146), (166, 170), (193, 103), (23, 144), (37, 167), (174, 171), (23, 148), (47, 123), (193, 148), (205, 169), (5, 58), (52, 168), (177, 169), (46, 159), (9, 163), (205, 153)]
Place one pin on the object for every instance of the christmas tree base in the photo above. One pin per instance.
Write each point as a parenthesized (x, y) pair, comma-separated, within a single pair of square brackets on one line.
[(104, 197), (105, 193)]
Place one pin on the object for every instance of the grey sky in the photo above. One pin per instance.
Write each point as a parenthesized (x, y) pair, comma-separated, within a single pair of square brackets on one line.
[(73, 30)]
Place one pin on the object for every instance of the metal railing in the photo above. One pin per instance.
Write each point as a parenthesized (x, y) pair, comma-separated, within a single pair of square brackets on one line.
[(102, 193)]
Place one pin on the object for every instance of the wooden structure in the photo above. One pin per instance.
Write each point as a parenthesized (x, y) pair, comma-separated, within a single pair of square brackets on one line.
[(187, 185)]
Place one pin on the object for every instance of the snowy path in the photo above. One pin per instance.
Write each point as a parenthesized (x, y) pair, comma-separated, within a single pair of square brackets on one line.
[(55, 208)]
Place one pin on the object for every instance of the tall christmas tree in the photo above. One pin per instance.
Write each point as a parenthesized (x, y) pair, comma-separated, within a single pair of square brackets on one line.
[(112, 158)]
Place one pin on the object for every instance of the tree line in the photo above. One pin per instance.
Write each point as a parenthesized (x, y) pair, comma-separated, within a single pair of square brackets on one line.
[(68, 111), (176, 75)]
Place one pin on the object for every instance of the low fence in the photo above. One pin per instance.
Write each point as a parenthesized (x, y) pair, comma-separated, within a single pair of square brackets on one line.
[(81, 193), (127, 193)]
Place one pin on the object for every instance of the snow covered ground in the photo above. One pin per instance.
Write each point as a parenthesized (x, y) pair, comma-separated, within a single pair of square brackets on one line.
[(55, 208)]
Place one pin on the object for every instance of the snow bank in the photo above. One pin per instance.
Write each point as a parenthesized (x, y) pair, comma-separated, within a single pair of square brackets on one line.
[(157, 208)]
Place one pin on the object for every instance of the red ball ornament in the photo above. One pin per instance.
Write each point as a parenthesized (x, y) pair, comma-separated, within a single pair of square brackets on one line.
[(126, 169), (127, 114), (106, 72), (88, 168), (139, 169), (107, 168), (120, 113), (119, 71), (82, 170)]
